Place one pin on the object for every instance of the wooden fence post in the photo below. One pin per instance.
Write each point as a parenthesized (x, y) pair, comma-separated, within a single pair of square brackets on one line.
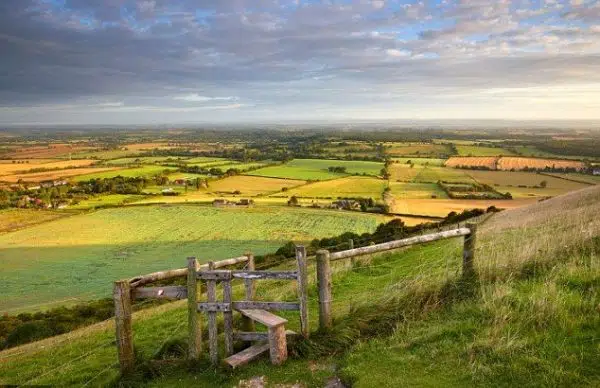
[(211, 296), (250, 287), (228, 318), (194, 322), (351, 246), (122, 299), (303, 289), (324, 284), (469, 250)]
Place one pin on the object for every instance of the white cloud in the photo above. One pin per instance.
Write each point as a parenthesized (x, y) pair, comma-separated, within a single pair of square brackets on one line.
[(195, 97)]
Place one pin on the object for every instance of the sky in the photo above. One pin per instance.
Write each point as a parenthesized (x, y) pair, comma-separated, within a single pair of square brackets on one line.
[(196, 61)]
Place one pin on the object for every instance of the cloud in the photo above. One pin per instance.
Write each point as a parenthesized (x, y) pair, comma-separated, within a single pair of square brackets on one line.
[(288, 56)]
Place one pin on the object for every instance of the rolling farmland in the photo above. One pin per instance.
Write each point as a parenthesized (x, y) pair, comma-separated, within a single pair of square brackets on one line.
[(78, 257), (316, 169), (353, 187), (130, 173), (58, 174), (251, 185), (473, 150)]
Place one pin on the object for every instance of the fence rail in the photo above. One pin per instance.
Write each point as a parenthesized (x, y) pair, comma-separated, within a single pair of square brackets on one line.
[(127, 290)]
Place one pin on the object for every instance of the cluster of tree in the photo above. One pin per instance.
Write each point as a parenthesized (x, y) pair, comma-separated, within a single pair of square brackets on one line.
[(116, 185), (337, 169), (471, 191)]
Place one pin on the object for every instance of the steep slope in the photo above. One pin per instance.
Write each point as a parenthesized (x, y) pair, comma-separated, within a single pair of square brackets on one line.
[(401, 319)]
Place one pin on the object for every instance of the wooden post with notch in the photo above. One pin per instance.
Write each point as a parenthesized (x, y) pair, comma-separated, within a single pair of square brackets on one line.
[(324, 284), (211, 296), (194, 320), (122, 299), (469, 250), (303, 289), (250, 288)]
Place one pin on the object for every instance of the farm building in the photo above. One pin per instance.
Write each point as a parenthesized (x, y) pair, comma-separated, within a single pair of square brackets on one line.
[(596, 171)]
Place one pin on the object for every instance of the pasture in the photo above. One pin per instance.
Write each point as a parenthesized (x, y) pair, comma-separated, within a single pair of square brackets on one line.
[(353, 187), (147, 160), (417, 149), (105, 200), (144, 171), (434, 174), (420, 161), (14, 219), (404, 190), (79, 257), (475, 150), (251, 185), (317, 169)]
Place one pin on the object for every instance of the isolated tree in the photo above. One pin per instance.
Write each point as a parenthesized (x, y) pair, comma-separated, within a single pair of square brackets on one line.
[(293, 201), (543, 184)]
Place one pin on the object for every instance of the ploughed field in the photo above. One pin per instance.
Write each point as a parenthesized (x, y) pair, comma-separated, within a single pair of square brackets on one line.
[(78, 257)]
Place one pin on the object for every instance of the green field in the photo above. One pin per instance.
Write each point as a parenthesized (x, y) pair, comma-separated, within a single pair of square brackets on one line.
[(13, 219), (403, 190), (316, 169), (145, 171), (417, 149), (78, 257), (472, 150), (434, 174), (421, 161), (363, 187), (106, 200), (146, 160)]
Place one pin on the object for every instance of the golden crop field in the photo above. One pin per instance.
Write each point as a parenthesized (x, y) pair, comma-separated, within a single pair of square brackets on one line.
[(441, 207), (482, 161), (355, 186), (251, 185), (404, 190), (9, 169), (518, 163), (58, 174), (46, 151)]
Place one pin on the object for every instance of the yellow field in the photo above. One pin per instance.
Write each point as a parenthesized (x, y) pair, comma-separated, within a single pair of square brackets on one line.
[(13, 219), (404, 190), (251, 185), (49, 175), (364, 187), (403, 172), (441, 207), (510, 163), (46, 152), (483, 161), (10, 168)]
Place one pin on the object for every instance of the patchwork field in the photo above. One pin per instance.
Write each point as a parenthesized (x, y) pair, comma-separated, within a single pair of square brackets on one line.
[(251, 185), (420, 161), (144, 171), (317, 169), (517, 163), (79, 257), (473, 150), (8, 168), (417, 149), (459, 161), (355, 187), (441, 207), (46, 151), (404, 190), (59, 174)]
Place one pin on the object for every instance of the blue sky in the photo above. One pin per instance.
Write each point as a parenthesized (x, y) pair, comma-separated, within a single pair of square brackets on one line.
[(184, 61)]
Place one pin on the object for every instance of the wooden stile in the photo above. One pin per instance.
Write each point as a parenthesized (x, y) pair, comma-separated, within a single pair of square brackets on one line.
[(211, 296), (228, 319), (250, 290), (324, 284), (122, 299), (194, 322), (303, 289)]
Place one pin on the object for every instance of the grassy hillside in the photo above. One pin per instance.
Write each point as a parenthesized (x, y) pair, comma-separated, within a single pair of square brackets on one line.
[(405, 318)]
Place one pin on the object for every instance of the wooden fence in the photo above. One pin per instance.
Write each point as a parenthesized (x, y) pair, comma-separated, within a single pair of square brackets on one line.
[(127, 290)]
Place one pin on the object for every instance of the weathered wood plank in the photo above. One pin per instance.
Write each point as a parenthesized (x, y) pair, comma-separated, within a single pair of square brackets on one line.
[(259, 336), (469, 251), (220, 274), (302, 289), (266, 318), (167, 292), (399, 243), (194, 322), (324, 285), (253, 305), (181, 272), (214, 307), (250, 291), (211, 296), (289, 275), (277, 345), (247, 355), (124, 334), (228, 319)]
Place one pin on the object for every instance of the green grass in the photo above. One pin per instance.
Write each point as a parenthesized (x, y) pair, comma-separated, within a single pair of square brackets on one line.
[(104, 200), (429, 150), (79, 257), (402, 190), (434, 174), (14, 219), (472, 150), (145, 171), (147, 160), (316, 169)]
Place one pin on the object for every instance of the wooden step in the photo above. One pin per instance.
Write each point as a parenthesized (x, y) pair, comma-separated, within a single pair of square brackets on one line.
[(251, 336), (247, 355), (262, 316)]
